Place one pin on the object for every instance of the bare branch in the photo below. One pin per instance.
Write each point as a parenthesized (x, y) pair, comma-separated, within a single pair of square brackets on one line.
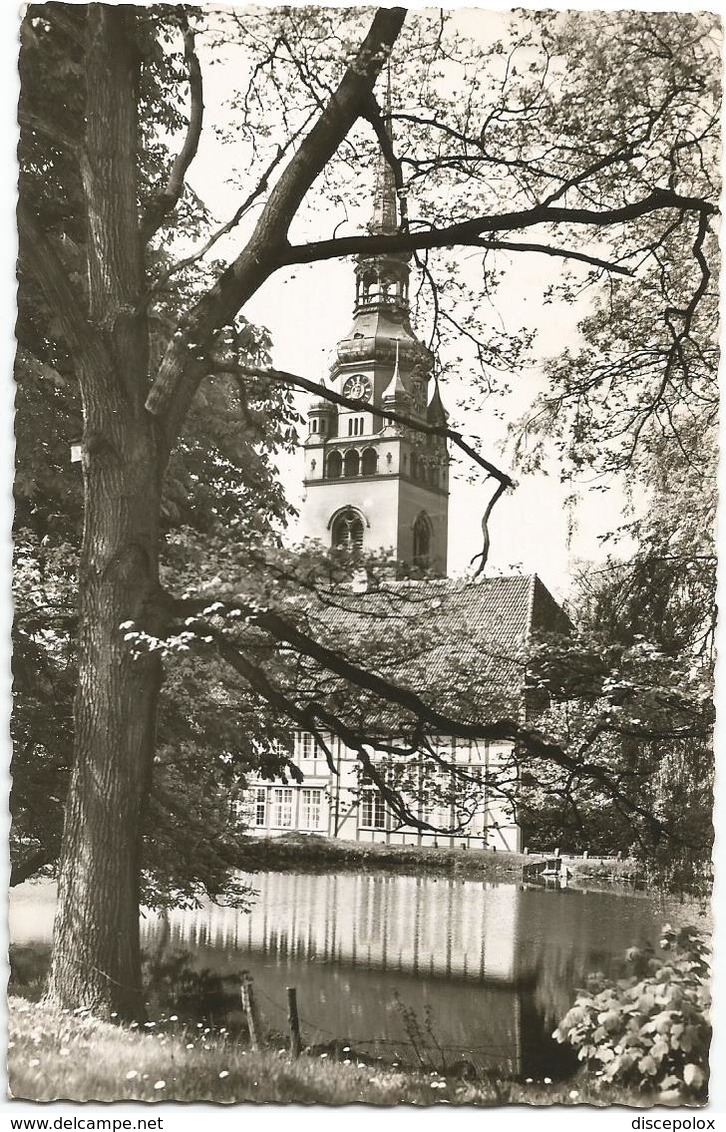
[(166, 200), (239, 215)]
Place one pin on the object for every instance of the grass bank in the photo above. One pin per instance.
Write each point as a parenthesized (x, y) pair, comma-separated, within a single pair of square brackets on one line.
[(321, 854), (55, 1055), (311, 853)]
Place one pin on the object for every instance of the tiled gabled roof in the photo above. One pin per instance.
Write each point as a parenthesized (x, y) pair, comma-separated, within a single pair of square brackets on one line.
[(461, 646)]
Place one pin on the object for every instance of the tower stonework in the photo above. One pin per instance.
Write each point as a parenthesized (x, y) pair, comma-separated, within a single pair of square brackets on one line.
[(371, 482)]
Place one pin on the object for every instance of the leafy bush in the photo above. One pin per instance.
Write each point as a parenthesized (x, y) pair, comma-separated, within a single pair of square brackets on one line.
[(650, 1030)]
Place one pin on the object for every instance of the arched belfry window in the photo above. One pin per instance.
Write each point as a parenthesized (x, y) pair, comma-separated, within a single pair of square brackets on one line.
[(369, 463), (422, 540), (348, 530), (335, 465), (352, 462)]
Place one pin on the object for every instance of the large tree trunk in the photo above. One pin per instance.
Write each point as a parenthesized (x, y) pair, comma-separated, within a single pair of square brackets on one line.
[(96, 945), (96, 959)]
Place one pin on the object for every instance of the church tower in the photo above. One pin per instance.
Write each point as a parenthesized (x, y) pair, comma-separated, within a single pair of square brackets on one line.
[(370, 482)]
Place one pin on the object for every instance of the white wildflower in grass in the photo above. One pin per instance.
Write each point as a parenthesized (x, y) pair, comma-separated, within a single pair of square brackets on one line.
[(149, 1025), (528, 1080), (173, 1017), (159, 1084), (114, 1014), (33, 1062), (133, 1025), (131, 1074), (322, 1055), (199, 1025), (347, 1061), (574, 1094), (346, 1049), (224, 1073), (548, 1080)]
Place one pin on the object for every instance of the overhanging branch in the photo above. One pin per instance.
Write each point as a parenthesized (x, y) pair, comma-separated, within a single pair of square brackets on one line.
[(469, 232), (296, 381)]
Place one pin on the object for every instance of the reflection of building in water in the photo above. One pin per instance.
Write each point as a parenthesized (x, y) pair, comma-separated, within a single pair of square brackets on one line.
[(495, 965), (377, 485), (443, 927), (356, 945)]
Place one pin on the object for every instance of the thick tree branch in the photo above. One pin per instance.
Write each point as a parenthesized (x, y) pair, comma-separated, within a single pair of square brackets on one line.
[(171, 393), (469, 232), (232, 223), (422, 715), (166, 200)]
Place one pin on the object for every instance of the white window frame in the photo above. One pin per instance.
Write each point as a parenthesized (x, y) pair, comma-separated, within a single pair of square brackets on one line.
[(311, 808), (372, 802), (260, 807), (282, 806)]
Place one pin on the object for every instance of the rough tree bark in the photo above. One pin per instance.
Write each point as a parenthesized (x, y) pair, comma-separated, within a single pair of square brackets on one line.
[(96, 942)]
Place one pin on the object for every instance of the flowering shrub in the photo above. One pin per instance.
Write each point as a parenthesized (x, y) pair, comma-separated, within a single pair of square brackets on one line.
[(650, 1030)]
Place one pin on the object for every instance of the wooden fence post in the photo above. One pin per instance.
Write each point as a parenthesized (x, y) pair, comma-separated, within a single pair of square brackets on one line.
[(247, 995), (294, 1022)]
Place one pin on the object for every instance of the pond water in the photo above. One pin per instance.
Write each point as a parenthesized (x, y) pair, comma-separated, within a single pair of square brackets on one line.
[(402, 968)]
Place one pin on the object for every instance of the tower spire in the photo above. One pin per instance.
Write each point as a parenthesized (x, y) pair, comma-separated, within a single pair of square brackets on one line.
[(385, 214)]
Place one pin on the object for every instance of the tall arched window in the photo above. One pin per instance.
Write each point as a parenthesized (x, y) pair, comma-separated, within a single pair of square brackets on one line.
[(352, 462), (348, 530), (369, 463), (422, 540), (335, 466)]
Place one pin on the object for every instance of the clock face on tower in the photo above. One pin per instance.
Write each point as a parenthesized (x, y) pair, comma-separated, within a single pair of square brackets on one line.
[(358, 387)]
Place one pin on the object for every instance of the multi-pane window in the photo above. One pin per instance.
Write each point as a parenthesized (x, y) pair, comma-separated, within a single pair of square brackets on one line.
[(282, 807), (311, 808), (260, 811), (252, 807), (372, 809), (305, 747)]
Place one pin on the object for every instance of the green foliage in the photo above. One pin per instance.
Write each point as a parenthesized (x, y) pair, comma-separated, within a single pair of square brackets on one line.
[(634, 715), (652, 1029)]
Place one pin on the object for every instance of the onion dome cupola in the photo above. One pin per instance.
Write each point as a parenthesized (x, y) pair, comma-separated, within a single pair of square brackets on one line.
[(321, 418)]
